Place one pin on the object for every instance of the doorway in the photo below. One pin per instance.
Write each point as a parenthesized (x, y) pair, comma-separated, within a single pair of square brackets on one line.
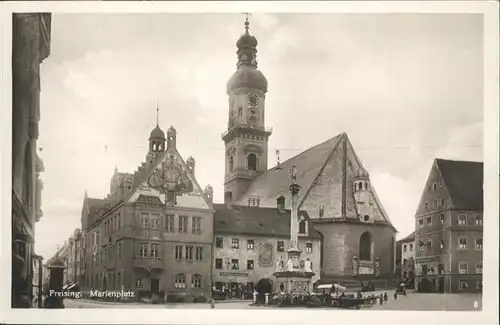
[(155, 285), (441, 284)]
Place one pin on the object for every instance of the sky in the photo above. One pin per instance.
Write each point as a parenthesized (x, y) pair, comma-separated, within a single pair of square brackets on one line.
[(406, 88)]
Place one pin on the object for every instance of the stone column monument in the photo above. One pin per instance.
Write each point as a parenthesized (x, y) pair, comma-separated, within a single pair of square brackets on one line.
[(56, 270), (293, 278)]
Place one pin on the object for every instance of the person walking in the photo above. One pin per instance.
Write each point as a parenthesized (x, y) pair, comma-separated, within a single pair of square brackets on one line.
[(381, 298), (396, 295), (385, 297)]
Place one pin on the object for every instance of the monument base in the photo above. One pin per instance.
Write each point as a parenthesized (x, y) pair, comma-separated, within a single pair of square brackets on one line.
[(294, 282)]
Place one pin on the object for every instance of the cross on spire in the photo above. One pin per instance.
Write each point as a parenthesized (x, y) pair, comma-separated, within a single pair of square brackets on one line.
[(247, 23)]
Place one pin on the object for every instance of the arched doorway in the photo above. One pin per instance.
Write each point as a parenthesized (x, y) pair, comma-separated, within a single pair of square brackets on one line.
[(365, 247), (264, 286)]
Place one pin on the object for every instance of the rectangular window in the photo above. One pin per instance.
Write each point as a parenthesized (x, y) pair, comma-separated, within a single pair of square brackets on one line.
[(189, 252), (429, 221), (218, 263), (119, 221), (426, 205), (479, 268), (235, 264), (420, 246), (309, 247), (281, 246), (155, 220), (199, 253), (404, 248), (178, 252), (462, 268), (479, 220), (411, 247), (219, 242), (235, 243), (196, 281), (479, 243), (183, 224), (138, 283), (462, 243), (420, 223), (462, 219), (144, 220), (249, 264), (442, 202), (462, 284), (143, 248), (441, 217), (170, 223), (424, 269), (196, 225), (479, 284), (119, 251), (250, 244), (154, 250)]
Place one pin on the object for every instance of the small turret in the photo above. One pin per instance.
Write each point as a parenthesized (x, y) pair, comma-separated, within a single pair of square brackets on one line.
[(209, 192), (171, 138), (190, 162)]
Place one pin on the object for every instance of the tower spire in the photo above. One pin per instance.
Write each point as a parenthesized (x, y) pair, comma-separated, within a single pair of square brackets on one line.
[(247, 23), (157, 114)]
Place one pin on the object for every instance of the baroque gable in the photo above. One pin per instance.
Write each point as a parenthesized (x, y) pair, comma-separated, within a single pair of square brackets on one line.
[(172, 174)]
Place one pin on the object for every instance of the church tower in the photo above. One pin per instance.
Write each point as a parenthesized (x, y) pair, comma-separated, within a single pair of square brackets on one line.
[(362, 196), (246, 136)]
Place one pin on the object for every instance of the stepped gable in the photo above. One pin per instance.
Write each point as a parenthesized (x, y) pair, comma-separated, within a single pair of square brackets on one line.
[(464, 181), (265, 222), (143, 171), (274, 183)]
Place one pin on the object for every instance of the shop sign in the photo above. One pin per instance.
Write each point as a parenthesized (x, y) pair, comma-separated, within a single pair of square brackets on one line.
[(233, 274)]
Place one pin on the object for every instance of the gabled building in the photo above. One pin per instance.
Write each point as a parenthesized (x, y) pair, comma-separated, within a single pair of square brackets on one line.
[(250, 245), (449, 228), (336, 192), (154, 231)]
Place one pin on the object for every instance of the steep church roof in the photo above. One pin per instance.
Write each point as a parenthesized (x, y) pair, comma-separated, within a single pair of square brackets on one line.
[(256, 221), (273, 183), (310, 164), (464, 181)]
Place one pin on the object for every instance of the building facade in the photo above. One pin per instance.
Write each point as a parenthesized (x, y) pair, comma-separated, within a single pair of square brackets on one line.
[(251, 244), (336, 191), (153, 233), (449, 228), (407, 259), (30, 46), (74, 258)]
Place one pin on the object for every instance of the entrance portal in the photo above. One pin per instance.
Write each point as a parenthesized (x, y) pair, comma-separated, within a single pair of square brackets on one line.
[(155, 285), (264, 286)]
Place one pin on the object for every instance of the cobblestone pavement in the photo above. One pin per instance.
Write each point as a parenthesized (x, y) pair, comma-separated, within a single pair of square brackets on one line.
[(412, 301)]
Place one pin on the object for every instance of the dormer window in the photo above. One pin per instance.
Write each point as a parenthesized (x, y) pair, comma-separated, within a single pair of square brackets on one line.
[(280, 202)]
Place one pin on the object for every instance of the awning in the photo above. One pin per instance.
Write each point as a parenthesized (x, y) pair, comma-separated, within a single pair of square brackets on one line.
[(71, 286), (65, 286), (340, 288), (324, 286)]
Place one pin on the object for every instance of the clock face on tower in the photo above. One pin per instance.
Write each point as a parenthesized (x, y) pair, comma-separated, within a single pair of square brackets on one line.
[(253, 99)]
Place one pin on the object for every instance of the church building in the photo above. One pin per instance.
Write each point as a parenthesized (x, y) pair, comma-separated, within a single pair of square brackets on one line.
[(153, 233), (337, 197)]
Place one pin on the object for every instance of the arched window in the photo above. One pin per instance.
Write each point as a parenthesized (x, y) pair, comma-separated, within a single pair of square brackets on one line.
[(196, 281), (365, 247), (252, 161), (180, 281), (280, 203), (360, 186), (231, 163), (302, 227), (27, 176)]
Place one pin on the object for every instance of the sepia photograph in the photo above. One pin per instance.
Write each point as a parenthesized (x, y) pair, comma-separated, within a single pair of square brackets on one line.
[(249, 160)]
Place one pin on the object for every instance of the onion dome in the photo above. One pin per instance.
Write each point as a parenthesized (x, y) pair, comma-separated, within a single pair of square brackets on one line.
[(361, 173), (247, 77), (157, 133), (247, 74)]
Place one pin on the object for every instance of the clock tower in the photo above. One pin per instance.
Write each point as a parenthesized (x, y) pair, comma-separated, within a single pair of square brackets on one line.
[(246, 136)]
